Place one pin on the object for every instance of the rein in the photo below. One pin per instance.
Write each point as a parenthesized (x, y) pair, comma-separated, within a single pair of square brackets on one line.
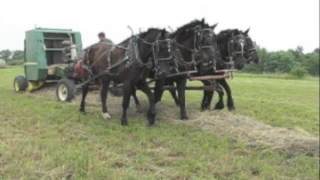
[(135, 52), (232, 53), (127, 57)]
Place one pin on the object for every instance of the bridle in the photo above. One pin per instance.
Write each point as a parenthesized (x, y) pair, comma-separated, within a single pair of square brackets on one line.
[(198, 46), (251, 50), (174, 55), (131, 55), (199, 34), (135, 48), (232, 53)]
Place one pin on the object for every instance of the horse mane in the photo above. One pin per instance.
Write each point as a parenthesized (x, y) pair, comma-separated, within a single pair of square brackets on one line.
[(223, 36), (124, 42), (187, 26), (222, 40), (142, 34), (226, 34)]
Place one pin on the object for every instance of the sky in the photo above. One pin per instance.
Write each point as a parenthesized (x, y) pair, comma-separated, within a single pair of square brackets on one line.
[(274, 24)]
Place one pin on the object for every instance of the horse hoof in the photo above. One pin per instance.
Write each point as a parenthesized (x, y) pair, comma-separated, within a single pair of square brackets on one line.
[(151, 125), (124, 123), (106, 115), (184, 118), (232, 108), (218, 106)]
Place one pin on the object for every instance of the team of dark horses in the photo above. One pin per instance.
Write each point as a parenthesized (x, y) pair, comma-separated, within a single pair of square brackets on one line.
[(168, 59)]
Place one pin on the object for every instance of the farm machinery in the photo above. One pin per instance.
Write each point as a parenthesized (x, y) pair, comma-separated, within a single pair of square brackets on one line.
[(50, 55)]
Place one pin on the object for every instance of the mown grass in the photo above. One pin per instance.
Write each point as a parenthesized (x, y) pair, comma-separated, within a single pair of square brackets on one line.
[(280, 102), (41, 138)]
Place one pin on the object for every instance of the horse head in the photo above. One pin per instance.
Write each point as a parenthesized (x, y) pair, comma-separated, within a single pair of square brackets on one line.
[(231, 43), (146, 41), (165, 56), (250, 49), (195, 41)]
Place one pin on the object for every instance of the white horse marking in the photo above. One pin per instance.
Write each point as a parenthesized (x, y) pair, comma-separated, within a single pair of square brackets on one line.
[(106, 115)]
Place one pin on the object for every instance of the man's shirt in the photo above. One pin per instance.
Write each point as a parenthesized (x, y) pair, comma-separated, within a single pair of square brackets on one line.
[(107, 41)]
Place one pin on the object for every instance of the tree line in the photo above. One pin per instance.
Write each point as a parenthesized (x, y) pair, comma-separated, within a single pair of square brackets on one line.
[(8, 55), (293, 61)]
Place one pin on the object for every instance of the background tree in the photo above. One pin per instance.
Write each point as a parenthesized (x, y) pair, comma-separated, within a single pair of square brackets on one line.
[(293, 61), (299, 50), (5, 54), (18, 55), (311, 63)]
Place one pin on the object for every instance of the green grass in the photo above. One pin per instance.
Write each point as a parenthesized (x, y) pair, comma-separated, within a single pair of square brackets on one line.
[(280, 102), (41, 138), (277, 76)]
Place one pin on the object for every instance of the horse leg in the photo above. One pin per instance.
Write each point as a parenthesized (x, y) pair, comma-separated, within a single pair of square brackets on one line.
[(207, 96), (127, 91), (151, 112), (181, 86), (173, 93), (158, 90), (103, 95), (220, 104), (225, 85), (136, 101), (85, 90), (209, 99)]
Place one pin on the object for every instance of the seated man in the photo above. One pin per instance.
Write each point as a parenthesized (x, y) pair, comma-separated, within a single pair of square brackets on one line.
[(103, 39)]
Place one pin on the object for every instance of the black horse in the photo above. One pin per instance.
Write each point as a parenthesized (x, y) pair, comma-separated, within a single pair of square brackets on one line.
[(233, 49), (191, 50), (237, 49), (127, 63)]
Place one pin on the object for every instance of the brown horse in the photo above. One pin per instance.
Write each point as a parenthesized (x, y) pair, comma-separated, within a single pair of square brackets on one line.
[(95, 57), (93, 63), (127, 63)]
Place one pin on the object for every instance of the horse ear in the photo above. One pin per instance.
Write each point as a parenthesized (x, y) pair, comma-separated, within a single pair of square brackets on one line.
[(214, 26), (247, 31), (163, 32), (202, 20)]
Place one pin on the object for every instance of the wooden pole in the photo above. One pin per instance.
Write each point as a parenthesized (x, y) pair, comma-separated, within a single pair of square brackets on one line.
[(210, 77), (225, 70), (207, 88)]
